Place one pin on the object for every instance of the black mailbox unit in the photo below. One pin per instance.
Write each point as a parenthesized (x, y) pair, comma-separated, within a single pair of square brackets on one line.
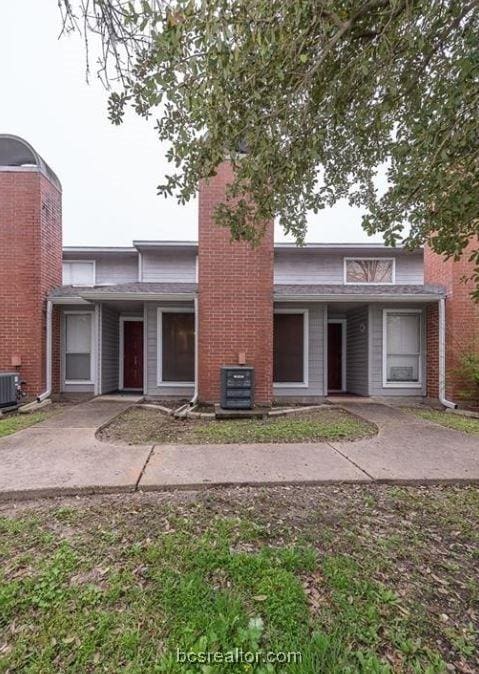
[(237, 387)]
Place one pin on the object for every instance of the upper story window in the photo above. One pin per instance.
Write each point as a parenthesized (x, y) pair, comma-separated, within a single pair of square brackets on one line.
[(79, 273), (364, 270)]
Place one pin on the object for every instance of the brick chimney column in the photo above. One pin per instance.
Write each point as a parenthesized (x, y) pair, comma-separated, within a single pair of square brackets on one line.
[(30, 266), (235, 304)]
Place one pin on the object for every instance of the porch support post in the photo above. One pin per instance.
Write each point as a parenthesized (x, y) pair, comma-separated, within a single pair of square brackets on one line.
[(98, 349)]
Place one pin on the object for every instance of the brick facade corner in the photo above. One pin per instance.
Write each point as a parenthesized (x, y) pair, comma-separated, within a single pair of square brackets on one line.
[(30, 266), (462, 314)]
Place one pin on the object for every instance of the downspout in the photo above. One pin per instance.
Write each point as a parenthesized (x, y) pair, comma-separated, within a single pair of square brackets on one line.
[(183, 410), (194, 399), (48, 357), (442, 356)]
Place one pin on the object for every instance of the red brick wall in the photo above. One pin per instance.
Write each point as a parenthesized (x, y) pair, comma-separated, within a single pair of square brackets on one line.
[(235, 298), (30, 266), (462, 314)]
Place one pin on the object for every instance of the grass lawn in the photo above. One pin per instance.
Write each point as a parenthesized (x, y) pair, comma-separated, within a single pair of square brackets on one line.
[(146, 426), (375, 580), (458, 423), (15, 422)]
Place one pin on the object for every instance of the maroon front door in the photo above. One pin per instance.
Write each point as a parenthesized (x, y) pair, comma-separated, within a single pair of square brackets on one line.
[(335, 353), (133, 354)]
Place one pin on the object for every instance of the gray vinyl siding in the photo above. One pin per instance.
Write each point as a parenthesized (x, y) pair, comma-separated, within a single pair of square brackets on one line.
[(316, 352), (110, 340), (357, 360), (376, 352), (169, 266), (309, 267), (151, 370), (74, 388), (116, 269), (110, 268)]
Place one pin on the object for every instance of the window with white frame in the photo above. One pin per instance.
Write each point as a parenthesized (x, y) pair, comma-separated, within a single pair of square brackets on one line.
[(364, 270), (79, 273), (290, 345), (402, 348), (78, 347), (176, 347)]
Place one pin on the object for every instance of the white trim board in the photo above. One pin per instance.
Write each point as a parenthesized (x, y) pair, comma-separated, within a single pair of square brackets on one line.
[(305, 382), (159, 346), (121, 350), (344, 324)]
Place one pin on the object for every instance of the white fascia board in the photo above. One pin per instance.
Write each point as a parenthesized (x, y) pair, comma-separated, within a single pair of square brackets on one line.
[(357, 298), (143, 297), (68, 300), (100, 249), (165, 244), (345, 246)]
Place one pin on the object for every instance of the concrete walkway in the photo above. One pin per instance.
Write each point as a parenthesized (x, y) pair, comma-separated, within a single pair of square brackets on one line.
[(410, 449), (63, 456)]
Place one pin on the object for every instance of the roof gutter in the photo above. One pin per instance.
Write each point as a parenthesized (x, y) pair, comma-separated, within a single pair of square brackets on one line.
[(442, 356), (73, 299), (357, 298), (140, 297)]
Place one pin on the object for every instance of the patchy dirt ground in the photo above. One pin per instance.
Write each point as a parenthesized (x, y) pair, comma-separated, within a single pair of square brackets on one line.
[(147, 426), (358, 578)]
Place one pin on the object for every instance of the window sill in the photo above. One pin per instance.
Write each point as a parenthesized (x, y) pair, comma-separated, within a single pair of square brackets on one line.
[(175, 383), (369, 283), (78, 381), (405, 384), (292, 384)]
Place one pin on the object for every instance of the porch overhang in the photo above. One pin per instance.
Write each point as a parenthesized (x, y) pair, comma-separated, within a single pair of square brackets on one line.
[(359, 293), (135, 292)]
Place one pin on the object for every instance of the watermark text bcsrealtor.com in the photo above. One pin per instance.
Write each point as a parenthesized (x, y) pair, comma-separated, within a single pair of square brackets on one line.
[(238, 655)]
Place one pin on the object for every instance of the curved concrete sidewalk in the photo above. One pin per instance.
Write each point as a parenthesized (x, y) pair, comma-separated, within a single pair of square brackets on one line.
[(407, 449), (62, 456)]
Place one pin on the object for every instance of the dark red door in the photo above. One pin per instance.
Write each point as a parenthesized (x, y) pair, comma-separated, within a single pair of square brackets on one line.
[(133, 354), (335, 352)]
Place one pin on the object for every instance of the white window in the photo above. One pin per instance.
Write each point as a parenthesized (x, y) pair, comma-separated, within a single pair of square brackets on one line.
[(78, 347), (176, 347), (79, 273), (402, 348), (290, 348), (364, 270)]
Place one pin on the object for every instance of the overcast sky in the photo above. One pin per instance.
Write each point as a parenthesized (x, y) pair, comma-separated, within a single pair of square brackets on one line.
[(109, 174)]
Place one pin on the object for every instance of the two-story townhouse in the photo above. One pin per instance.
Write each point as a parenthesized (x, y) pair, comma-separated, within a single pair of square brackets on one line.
[(162, 317)]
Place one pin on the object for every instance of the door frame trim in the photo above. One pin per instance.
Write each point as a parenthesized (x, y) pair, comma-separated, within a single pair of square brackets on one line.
[(121, 350), (343, 322)]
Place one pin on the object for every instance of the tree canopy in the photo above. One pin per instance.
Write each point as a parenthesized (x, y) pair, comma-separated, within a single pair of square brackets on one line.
[(322, 94)]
